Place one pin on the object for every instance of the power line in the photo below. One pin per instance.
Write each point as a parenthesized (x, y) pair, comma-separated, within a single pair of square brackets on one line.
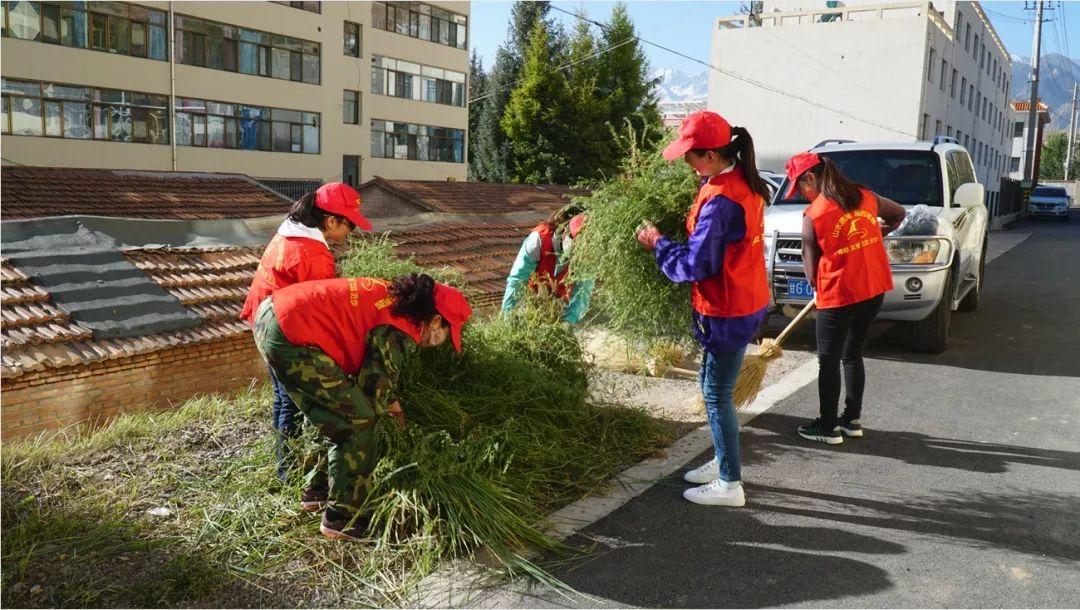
[(747, 79), (565, 66)]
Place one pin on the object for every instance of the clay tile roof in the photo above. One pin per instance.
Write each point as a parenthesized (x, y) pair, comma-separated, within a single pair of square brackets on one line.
[(483, 252), (34, 192), (1026, 106), (212, 283), (479, 197)]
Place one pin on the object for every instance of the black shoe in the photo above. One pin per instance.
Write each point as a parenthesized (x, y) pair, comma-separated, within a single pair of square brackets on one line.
[(313, 499), (814, 432), (342, 527), (850, 427)]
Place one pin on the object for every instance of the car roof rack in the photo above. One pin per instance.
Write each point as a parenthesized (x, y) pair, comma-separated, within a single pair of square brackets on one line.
[(832, 141), (944, 140)]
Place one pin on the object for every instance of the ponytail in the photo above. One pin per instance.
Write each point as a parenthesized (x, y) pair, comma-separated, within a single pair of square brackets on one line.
[(741, 150), (835, 186), (305, 212)]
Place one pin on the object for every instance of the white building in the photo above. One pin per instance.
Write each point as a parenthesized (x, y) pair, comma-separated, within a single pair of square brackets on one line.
[(800, 73), (1018, 132)]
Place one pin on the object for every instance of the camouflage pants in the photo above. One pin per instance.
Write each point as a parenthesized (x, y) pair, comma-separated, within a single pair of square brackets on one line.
[(334, 404)]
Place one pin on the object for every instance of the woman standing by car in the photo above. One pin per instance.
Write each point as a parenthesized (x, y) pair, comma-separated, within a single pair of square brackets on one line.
[(846, 264), (724, 260)]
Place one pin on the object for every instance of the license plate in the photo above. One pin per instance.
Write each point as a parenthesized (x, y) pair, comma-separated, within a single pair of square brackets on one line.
[(799, 289)]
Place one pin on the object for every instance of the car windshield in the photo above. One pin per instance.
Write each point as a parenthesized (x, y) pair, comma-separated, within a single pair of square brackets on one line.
[(908, 177), (1049, 191)]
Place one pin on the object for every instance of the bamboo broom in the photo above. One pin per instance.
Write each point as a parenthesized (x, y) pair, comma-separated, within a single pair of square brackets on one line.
[(754, 366)]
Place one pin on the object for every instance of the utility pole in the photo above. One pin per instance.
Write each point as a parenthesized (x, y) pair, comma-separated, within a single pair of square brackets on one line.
[(1072, 134), (1033, 112)]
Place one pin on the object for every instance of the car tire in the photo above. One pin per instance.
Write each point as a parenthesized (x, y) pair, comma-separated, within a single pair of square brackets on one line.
[(931, 335), (972, 299)]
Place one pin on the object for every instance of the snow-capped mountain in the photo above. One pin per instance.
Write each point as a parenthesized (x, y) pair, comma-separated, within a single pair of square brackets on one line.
[(678, 86), (1055, 84)]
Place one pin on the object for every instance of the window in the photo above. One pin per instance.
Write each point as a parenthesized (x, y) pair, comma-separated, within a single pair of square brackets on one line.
[(937, 128), (393, 140), (948, 131), (930, 65), (944, 73), (219, 46), (409, 80), (975, 49), (314, 7), (352, 39), (967, 37), (113, 27), (33, 108), (971, 97), (350, 170), (958, 168), (1018, 129), (237, 126), (1014, 164), (923, 126), (963, 90), (966, 141), (350, 107), (422, 21), (952, 85), (908, 177)]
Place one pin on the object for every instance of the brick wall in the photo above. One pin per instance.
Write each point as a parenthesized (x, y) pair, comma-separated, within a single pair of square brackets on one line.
[(54, 398), (379, 203)]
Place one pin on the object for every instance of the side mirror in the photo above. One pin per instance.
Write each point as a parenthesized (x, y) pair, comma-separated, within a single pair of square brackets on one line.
[(969, 195)]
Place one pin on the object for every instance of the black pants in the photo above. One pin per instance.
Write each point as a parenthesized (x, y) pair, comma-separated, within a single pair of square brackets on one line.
[(841, 336)]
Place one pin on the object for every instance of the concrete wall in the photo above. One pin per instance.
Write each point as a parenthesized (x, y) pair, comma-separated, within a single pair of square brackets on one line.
[(864, 77), (54, 63)]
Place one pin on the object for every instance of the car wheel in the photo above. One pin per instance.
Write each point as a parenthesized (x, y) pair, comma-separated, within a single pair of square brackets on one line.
[(932, 334), (971, 301)]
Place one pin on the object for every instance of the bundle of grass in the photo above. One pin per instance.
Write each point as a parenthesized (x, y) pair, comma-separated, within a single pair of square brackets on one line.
[(497, 436), (635, 299)]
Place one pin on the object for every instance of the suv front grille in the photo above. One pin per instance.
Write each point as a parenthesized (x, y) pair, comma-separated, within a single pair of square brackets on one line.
[(789, 251)]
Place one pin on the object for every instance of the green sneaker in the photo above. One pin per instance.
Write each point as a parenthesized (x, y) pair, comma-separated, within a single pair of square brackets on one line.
[(815, 432)]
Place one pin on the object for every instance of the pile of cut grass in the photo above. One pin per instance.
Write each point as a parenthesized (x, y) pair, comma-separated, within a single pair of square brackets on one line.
[(636, 301), (498, 435)]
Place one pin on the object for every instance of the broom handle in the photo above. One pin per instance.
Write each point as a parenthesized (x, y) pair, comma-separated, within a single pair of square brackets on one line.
[(795, 322)]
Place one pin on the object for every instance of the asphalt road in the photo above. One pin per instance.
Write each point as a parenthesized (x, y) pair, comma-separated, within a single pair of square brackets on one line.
[(965, 491)]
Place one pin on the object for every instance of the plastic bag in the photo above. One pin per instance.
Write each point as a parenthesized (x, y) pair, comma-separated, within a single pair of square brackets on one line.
[(919, 221)]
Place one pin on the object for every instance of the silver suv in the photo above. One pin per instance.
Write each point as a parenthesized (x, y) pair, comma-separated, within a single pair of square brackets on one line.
[(1050, 201), (933, 275)]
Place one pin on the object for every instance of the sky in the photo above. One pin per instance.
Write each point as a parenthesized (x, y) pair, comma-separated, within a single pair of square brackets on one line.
[(686, 27)]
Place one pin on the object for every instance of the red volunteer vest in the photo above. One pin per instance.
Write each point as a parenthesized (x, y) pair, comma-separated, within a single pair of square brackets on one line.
[(549, 261), (286, 261), (336, 316), (740, 288), (854, 266)]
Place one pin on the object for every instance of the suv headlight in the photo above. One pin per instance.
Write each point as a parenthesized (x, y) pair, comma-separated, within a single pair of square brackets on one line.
[(918, 251)]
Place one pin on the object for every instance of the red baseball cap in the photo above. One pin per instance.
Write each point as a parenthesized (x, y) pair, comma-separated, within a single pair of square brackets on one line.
[(576, 223), (702, 129), (341, 199), (453, 307), (796, 167)]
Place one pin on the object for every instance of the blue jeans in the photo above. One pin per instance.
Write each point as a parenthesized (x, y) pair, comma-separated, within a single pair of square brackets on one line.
[(286, 421), (717, 376)]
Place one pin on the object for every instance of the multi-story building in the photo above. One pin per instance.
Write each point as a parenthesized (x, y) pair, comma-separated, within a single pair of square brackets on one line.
[(801, 72), (279, 90), (1018, 132)]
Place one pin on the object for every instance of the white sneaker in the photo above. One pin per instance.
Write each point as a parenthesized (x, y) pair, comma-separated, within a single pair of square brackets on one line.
[(706, 473), (717, 493)]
